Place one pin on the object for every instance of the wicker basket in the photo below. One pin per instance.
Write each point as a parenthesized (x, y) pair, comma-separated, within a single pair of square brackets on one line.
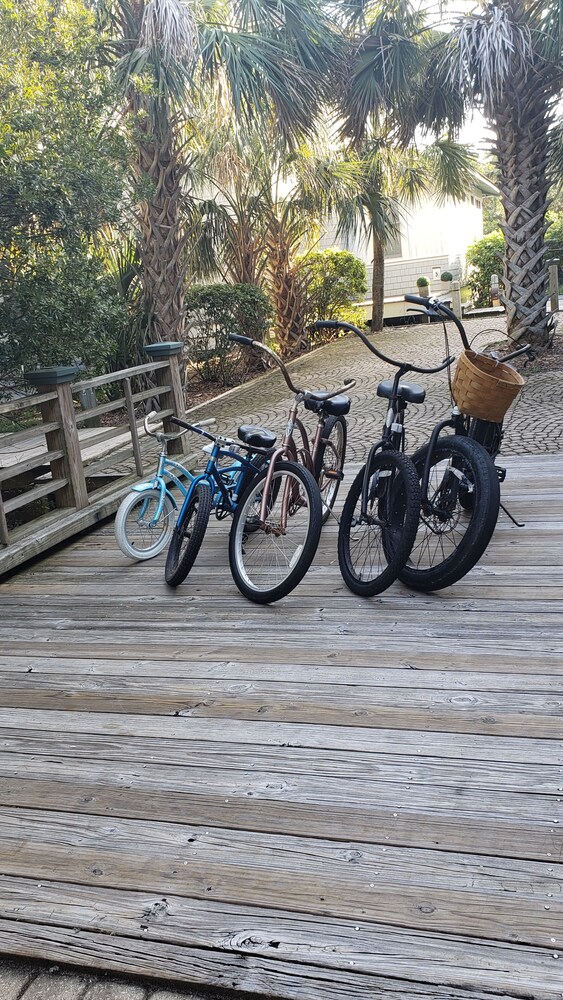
[(483, 387)]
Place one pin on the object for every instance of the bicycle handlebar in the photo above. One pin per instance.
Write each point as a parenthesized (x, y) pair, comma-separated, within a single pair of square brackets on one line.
[(349, 383), (196, 427), (336, 324), (435, 307)]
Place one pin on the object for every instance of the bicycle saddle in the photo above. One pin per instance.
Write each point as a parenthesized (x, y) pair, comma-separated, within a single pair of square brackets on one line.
[(409, 391), (256, 437), (337, 406)]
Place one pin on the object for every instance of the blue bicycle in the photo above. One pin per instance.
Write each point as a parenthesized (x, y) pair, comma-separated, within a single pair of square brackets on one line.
[(145, 518), (217, 488)]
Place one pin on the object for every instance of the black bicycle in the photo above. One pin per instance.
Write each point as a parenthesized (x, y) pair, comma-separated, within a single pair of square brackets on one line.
[(429, 523), (489, 433)]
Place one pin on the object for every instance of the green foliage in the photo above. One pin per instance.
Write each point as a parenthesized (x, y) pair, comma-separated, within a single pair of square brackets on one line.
[(446, 276), (554, 236), (422, 282), (59, 309), (214, 311), (484, 258), (333, 280), (61, 180)]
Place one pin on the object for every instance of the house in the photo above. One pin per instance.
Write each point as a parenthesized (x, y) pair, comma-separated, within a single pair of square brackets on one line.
[(434, 238)]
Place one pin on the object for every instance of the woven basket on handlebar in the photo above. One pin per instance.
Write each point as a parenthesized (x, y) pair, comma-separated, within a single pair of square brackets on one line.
[(483, 387)]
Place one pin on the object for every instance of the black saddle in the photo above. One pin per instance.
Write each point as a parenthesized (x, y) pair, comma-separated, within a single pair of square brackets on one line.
[(337, 406), (409, 391), (256, 437)]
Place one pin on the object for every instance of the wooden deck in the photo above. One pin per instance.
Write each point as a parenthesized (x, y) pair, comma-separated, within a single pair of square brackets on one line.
[(325, 799)]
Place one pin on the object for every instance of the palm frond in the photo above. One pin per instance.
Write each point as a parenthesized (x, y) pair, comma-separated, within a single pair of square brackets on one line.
[(170, 28), (262, 79), (485, 52), (452, 168)]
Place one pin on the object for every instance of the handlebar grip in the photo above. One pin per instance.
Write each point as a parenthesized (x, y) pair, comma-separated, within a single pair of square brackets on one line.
[(180, 423), (238, 338), (326, 324), (205, 423), (419, 300)]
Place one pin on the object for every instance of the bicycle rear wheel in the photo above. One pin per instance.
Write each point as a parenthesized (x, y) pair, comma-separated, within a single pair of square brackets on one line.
[(373, 547), (268, 561), (139, 531), (329, 462), (459, 517), (188, 535)]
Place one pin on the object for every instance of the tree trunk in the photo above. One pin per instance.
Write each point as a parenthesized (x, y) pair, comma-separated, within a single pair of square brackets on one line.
[(287, 291), (521, 126), (377, 286), (162, 237)]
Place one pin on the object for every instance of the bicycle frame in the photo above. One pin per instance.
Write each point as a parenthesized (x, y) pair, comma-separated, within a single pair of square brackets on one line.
[(215, 476), (288, 448)]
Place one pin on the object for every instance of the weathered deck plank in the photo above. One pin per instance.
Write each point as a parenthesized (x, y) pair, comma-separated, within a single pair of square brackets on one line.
[(328, 799)]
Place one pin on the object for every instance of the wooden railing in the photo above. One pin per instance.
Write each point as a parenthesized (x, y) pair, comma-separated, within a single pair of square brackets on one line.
[(64, 470)]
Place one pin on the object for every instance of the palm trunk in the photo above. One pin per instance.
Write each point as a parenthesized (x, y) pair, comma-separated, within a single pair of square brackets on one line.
[(287, 291), (377, 286), (521, 126), (162, 238)]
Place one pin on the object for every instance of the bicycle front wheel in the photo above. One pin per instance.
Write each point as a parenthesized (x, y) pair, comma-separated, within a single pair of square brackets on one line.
[(140, 531), (268, 561), (329, 462), (373, 545), (188, 535), (458, 517)]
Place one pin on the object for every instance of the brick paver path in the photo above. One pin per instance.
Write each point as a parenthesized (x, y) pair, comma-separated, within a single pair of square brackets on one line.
[(535, 424)]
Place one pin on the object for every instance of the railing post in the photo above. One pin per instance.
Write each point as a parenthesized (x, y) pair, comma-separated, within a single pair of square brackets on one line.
[(456, 298), (65, 438), (174, 398), (133, 425), (4, 536), (554, 284)]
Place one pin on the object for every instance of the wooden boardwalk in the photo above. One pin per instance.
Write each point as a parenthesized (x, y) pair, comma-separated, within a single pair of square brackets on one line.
[(326, 799)]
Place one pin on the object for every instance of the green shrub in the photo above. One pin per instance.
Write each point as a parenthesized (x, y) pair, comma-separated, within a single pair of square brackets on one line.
[(422, 282), (55, 309), (214, 311), (484, 258), (334, 280), (446, 276)]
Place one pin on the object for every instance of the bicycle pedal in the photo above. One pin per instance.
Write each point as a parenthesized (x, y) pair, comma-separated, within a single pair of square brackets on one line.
[(334, 474), (501, 473)]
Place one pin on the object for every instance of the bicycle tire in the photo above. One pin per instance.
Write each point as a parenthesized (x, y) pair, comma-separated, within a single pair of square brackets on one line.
[(371, 559), (329, 462), (188, 535), (148, 539), (263, 568), (453, 533)]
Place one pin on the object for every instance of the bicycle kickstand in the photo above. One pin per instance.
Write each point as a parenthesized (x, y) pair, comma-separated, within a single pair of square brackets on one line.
[(519, 524)]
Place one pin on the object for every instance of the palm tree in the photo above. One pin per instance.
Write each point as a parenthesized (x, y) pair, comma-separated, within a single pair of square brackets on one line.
[(507, 58), (267, 60), (382, 103), (391, 179), (267, 210)]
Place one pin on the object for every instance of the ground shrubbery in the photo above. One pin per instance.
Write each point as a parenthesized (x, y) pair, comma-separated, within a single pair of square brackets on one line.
[(214, 311), (484, 258)]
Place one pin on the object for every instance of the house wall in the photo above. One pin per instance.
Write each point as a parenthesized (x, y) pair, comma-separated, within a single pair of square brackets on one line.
[(433, 236)]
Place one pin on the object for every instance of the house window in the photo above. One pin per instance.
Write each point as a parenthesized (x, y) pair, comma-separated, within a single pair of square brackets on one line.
[(472, 200), (393, 246), (478, 202)]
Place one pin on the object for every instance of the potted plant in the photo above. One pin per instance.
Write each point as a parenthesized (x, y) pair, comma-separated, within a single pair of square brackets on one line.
[(422, 285), (446, 277)]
